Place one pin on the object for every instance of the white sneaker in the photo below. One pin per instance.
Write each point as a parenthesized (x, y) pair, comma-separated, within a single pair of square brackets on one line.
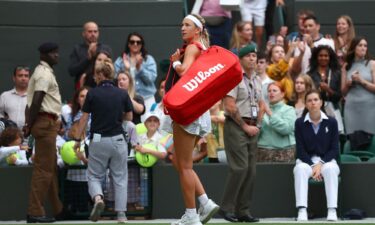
[(96, 210), (121, 217), (332, 215), (188, 220), (302, 214), (206, 211)]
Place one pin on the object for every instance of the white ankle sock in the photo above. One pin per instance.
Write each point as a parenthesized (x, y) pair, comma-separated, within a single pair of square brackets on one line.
[(203, 199), (191, 212)]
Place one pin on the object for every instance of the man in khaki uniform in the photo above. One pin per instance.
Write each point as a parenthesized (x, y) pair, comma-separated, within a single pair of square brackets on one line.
[(42, 120), (241, 132)]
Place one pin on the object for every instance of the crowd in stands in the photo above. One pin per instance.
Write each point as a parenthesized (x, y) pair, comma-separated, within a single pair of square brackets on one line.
[(290, 67)]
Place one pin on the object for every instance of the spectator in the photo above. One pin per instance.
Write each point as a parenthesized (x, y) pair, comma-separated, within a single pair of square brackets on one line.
[(42, 114), (276, 140), (254, 11), (11, 150), (358, 87), (82, 58), (279, 70), (215, 139), (218, 21), (344, 35), (159, 107), (261, 72), (242, 35), (75, 114), (269, 15), (241, 107), (140, 65), (108, 105), (301, 16), (126, 82), (326, 74), (317, 150), (312, 38), (302, 85), (277, 39), (152, 136), (76, 178), (13, 102)]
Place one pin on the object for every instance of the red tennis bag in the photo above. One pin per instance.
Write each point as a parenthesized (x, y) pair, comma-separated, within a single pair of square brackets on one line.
[(212, 75)]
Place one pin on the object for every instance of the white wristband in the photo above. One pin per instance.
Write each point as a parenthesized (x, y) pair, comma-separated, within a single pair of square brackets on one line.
[(175, 64)]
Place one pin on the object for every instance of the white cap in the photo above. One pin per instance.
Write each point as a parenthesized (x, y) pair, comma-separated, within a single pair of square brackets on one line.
[(152, 114)]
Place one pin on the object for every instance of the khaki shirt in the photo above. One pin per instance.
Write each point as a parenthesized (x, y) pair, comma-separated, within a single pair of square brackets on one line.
[(247, 96), (44, 80)]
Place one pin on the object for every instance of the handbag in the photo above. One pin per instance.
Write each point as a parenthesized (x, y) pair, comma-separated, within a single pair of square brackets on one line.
[(231, 4), (212, 75), (360, 140)]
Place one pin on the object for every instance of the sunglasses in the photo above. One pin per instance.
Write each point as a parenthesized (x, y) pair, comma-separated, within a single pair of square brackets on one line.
[(132, 42), (22, 68)]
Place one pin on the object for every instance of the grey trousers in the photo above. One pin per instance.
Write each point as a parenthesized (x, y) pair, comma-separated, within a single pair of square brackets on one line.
[(112, 153), (241, 152)]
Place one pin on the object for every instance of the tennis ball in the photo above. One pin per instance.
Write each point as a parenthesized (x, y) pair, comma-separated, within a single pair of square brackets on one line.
[(67, 153), (140, 128), (146, 160), (9, 160)]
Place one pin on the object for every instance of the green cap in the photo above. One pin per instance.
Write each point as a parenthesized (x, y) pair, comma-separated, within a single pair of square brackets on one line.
[(246, 50)]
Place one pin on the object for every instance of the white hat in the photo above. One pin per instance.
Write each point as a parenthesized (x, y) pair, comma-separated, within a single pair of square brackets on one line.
[(152, 114)]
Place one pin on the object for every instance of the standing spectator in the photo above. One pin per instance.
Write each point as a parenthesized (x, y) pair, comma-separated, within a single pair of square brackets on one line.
[(254, 11), (276, 140), (326, 74), (13, 102), (358, 87), (126, 82), (42, 114), (344, 35), (317, 140), (261, 72), (301, 15), (218, 21), (302, 85), (242, 35), (108, 106), (312, 38), (140, 65), (82, 58), (269, 15), (241, 131)]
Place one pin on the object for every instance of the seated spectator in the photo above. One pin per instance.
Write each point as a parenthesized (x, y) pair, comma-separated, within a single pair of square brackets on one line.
[(152, 136), (215, 139), (159, 107), (72, 118), (344, 35), (140, 65), (317, 150), (358, 87), (242, 35), (126, 82), (302, 85), (11, 150), (276, 140), (277, 39)]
